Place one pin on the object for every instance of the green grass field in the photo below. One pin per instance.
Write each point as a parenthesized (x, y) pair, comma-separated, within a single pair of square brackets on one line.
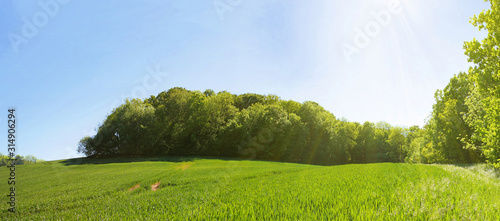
[(207, 189)]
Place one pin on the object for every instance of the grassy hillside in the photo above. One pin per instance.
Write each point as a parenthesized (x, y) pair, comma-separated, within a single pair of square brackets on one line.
[(250, 190)]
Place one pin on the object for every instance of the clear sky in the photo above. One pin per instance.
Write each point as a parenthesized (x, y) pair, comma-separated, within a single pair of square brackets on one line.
[(65, 64)]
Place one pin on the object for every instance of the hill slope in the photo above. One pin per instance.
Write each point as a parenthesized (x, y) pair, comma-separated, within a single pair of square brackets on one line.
[(245, 190)]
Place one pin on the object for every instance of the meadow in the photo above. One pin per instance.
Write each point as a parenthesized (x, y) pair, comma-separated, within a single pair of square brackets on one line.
[(228, 189)]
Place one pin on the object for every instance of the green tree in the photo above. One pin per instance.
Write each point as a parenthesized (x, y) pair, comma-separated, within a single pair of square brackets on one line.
[(19, 159), (291, 107), (345, 140), (397, 141), (29, 159), (4, 160), (316, 121), (209, 93), (365, 150), (244, 101), (219, 111), (450, 131), (382, 130), (486, 76), (415, 141)]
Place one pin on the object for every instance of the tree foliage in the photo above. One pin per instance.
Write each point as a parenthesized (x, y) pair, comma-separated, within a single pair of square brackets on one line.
[(28, 159), (464, 126), (184, 122), (484, 100)]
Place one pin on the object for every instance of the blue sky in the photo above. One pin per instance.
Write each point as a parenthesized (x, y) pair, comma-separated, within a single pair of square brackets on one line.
[(66, 64)]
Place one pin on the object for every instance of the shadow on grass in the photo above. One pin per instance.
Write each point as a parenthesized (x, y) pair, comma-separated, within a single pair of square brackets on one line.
[(174, 159), (464, 165), (87, 160), (480, 167)]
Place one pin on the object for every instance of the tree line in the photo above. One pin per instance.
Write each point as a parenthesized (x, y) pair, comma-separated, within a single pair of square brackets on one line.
[(465, 122), (28, 159), (185, 122), (464, 126)]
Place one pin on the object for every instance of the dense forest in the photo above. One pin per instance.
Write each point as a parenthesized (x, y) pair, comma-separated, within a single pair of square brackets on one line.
[(184, 122), (464, 126)]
